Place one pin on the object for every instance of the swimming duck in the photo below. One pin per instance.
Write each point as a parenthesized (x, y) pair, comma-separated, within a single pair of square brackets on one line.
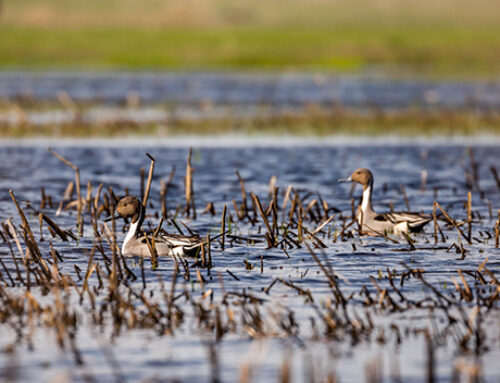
[(136, 244), (377, 224)]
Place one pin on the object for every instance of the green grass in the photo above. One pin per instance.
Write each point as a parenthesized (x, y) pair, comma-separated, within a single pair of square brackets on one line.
[(403, 37), (437, 51)]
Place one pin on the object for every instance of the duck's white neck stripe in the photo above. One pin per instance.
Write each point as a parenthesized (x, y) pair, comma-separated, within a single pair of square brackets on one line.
[(367, 194), (130, 234)]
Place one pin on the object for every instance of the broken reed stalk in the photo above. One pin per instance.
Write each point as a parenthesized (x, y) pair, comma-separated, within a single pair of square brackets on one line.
[(434, 218), (293, 206), (436, 225), (223, 226), (299, 224), (468, 292), (98, 197), (409, 240), (79, 221), (274, 208), (91, 266), (469, 215), (453, 222), (495, 175), (115, 274), (353, 210), (320, 227), (152, 250), (150, 180), (285, 200), (14, 235), (29, 237), (42, 202), (40, 222), (143, 176), (163, 199), (272, 185), (497, 230), (54, 227), (244, 206), (189, 187), (209, 252), (331, 279), (150, 241), (95, 210), (88, 199), (158, 228), (67, 196), (264, 218)]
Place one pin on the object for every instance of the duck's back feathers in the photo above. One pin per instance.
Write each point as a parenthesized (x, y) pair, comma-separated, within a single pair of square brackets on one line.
[(180, 240), (173, 244), (415, 221)]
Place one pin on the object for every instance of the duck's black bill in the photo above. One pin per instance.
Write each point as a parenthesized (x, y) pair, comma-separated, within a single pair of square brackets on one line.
[(112, 218)]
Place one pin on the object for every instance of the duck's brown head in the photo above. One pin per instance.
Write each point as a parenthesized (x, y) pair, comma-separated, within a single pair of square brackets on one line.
[(361, 176), (129, 207)]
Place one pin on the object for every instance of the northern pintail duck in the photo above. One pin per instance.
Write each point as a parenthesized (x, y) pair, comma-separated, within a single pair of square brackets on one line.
[(135, 243), (372, 223)]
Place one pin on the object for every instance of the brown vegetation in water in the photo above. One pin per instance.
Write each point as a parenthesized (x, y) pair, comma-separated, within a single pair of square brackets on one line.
[(311, 120), (108, 297)]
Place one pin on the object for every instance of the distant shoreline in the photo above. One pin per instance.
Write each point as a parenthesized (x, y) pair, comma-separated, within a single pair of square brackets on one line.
[(228, 141)]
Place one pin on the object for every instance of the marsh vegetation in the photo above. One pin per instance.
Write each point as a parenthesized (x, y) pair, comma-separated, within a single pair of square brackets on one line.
[(289, 292)]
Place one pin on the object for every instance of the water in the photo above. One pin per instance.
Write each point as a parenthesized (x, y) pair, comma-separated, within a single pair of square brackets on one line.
[(281, 89), (140, 354), (166, 97)]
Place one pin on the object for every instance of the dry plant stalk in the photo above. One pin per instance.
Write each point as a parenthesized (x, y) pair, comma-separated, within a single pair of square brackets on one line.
[(497, 230), (152, 251), (223, 227), (150, 180), (54, 227), (264, 218), (244, 206), (495, 175), (453, 222), (189, 187), (403, 191), (469, 215), (79, 222)]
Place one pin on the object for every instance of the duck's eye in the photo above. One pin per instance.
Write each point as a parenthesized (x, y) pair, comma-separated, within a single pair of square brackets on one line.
[(125, 205)]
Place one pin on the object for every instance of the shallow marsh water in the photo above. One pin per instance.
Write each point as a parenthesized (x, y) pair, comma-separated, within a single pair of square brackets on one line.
[(142, 354), (278, 89), (194, 96)]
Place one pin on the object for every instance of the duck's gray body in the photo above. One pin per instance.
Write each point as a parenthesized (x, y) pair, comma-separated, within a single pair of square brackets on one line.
[(372, 223)]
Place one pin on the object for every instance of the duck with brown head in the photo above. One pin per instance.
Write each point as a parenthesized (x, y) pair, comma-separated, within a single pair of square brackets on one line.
[(136, 244), (378, 224)]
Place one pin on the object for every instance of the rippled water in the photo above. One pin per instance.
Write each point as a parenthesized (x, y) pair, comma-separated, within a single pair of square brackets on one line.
[(277, 90), (141, 354), (166, 97)]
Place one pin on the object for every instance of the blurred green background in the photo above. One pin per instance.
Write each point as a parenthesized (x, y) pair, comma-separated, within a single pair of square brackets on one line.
[(440, 38)]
